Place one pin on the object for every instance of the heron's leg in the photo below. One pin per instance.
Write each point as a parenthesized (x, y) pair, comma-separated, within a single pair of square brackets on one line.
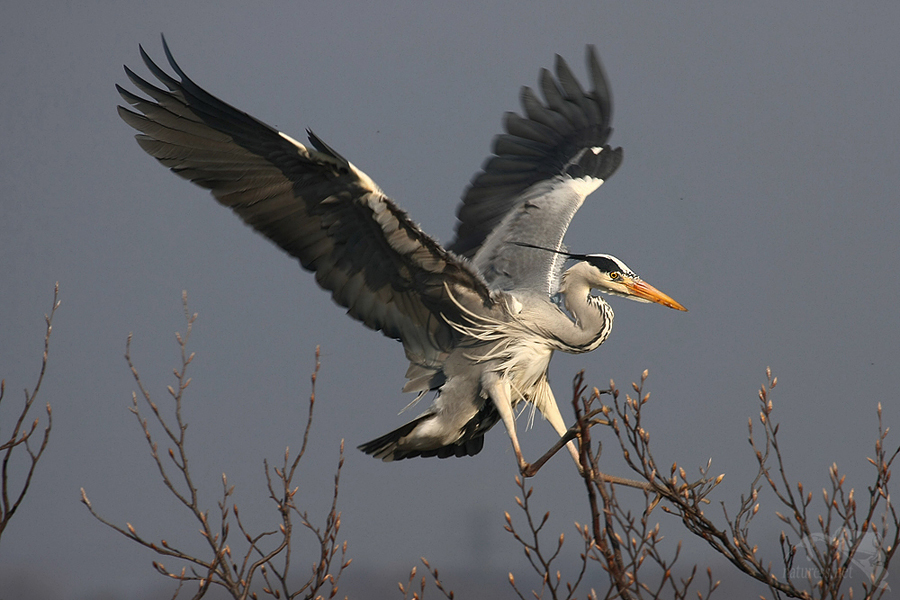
[(552, 414), (498, 389)]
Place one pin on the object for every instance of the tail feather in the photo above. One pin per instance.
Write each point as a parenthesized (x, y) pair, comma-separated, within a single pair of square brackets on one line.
[(389, 448), (400, 443)]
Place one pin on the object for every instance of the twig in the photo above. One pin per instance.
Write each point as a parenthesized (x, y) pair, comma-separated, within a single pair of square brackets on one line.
[(267, 554), (11, 498)]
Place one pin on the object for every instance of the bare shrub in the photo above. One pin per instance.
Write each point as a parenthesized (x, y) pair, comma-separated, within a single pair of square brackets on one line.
[(20, 438), (261, 560), (841, 537)]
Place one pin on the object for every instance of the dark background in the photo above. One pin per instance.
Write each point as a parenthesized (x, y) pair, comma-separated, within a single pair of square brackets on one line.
[(759, 189)]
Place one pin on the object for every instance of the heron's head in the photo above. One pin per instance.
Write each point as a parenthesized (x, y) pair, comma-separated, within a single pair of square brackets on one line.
[(610, 275)]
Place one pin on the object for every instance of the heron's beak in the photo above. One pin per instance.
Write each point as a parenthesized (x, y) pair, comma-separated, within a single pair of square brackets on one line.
[(644, 290)]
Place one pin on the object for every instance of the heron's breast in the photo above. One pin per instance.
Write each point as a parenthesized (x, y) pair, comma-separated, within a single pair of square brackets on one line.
[(526, 364)]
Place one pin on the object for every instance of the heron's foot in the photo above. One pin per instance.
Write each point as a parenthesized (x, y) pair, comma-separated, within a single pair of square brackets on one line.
[(530, 469)]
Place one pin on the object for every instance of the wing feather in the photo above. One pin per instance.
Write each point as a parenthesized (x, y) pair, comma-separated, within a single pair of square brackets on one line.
[(527, 191), (314, 205)]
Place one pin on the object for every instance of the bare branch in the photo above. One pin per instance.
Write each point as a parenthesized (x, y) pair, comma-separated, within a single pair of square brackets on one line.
[(846, 536), (11, 495), (267, 554)]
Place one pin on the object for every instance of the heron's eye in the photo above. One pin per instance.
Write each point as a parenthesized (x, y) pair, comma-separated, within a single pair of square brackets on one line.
[(614, 275)]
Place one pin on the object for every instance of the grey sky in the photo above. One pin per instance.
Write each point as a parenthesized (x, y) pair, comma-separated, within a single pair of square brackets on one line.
[(759, 189)]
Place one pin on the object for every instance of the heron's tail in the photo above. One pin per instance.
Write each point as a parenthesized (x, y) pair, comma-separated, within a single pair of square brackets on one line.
[(401, 443)]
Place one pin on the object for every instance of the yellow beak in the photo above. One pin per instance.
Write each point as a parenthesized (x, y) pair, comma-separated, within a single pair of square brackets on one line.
[(644, 290)]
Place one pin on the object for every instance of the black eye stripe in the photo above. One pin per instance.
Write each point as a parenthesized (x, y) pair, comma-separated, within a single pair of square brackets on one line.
[(608, 264), (605, 264)]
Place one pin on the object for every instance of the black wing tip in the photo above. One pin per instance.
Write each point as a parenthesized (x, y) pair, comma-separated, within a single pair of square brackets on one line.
[(315, 140), (567, 91), (324, 148), (157, 71), (601, 91), (587, 113), (171, 58), (145, 56), (561, 65)]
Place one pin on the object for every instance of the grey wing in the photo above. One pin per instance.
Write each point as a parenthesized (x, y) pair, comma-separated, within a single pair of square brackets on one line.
[(313, 204), (543, 167)]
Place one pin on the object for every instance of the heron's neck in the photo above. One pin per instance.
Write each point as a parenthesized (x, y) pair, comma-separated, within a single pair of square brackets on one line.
[(593, 316)]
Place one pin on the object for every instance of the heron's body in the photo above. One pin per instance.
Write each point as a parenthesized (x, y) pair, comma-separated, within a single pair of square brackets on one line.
[(478, 320)]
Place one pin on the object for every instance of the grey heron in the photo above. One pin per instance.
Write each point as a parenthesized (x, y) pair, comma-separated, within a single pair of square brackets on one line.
[(479, 318)]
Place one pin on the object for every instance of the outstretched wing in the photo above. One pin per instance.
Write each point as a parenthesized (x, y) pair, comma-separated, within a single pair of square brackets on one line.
[(543, 167), (312, 203)]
